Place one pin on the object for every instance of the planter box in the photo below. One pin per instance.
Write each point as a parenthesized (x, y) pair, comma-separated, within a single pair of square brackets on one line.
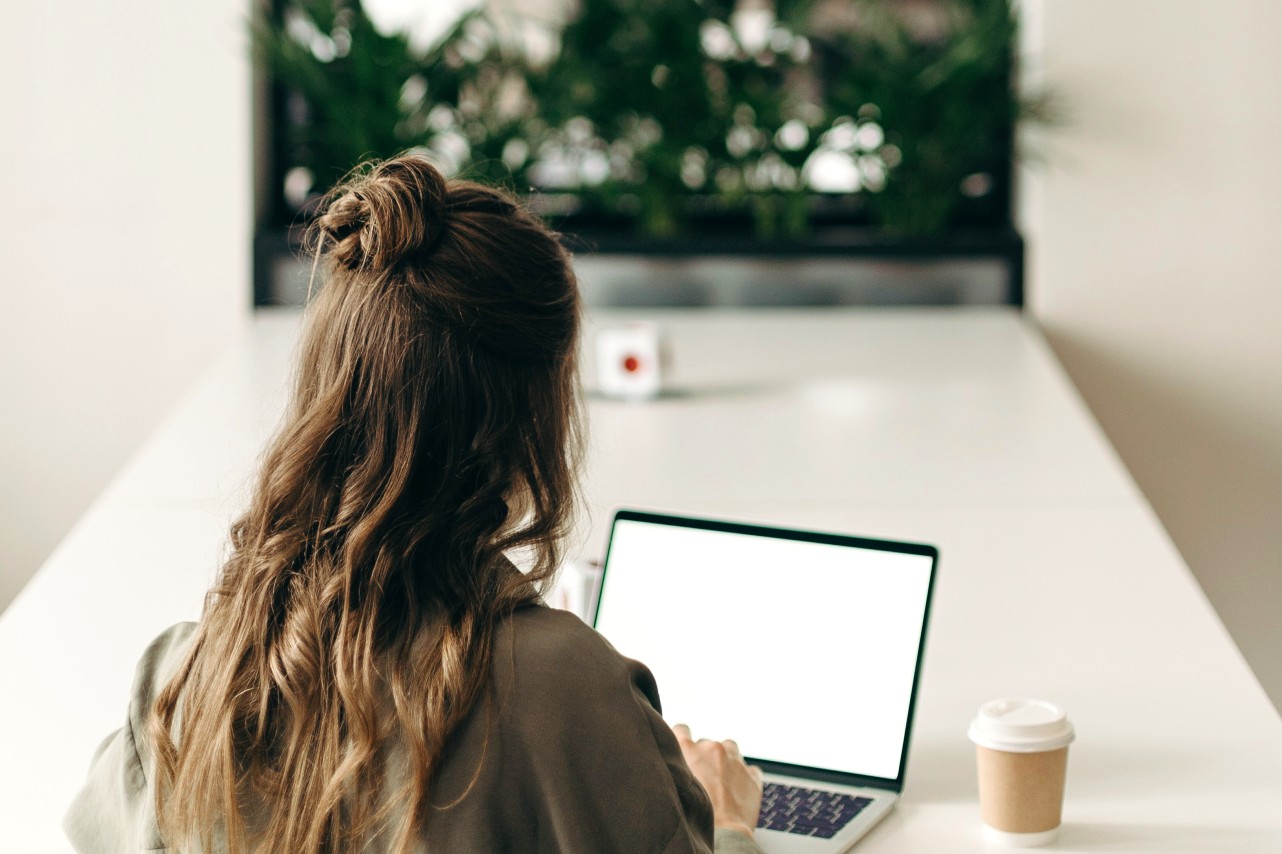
[(834, 266)]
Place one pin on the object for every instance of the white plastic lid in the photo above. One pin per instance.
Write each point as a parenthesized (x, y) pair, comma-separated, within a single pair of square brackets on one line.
[(1021, 726)]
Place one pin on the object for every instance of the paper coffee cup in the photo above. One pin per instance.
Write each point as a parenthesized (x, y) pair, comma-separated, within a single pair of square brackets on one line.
[(1022, 751)]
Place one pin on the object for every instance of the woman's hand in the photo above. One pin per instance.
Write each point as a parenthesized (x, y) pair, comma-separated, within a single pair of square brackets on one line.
[(733, 787)]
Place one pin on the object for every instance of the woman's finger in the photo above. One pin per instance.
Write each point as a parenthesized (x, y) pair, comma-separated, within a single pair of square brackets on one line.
[(682, 732), (732, 747)]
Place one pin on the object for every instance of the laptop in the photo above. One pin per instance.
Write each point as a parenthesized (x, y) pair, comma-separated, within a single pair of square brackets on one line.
[(804, 647)]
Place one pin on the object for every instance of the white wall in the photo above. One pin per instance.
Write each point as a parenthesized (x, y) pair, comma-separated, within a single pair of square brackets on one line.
[(1156, 270), (125, 228)]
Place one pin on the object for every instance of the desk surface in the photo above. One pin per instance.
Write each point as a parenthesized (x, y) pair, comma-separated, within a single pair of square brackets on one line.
[(951, 427)]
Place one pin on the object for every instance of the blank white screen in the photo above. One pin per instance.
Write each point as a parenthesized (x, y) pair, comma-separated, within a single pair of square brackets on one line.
[(802, 652)]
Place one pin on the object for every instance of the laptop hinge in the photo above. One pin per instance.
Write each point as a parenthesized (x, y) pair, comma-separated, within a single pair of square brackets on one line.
[(840, 777)]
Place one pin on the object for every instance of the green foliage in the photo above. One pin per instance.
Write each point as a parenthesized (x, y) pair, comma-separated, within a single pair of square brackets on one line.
[(345, 105), (664, 108), (356, 93), (945, 102), (665, 112)]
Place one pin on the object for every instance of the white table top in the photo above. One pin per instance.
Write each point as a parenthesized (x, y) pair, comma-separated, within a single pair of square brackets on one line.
[(952, 427)]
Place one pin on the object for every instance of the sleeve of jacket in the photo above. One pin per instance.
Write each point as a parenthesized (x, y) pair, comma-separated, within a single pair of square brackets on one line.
[(734, 842), (692, 832), (115, 808), (574, 757), (695, 801)]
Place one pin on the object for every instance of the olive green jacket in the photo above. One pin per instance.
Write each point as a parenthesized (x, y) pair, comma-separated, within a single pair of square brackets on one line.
[(574, 758)]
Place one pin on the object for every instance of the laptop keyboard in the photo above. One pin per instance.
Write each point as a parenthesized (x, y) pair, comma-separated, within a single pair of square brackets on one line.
[(808, 812)]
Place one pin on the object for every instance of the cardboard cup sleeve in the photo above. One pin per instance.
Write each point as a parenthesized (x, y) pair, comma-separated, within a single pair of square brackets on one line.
[(1022, 792)]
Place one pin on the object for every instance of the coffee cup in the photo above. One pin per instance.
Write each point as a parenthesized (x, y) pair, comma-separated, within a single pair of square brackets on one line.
[(1022, 751)]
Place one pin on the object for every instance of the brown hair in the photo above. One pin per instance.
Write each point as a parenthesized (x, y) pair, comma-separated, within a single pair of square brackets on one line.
[(433, 430)]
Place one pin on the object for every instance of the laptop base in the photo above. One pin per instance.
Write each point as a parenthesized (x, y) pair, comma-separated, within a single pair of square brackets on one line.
[(781, 842)]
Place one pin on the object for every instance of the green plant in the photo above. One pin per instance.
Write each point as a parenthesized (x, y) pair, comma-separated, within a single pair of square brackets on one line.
[(682, 109), (662, 109), (355, 92), (942, 90)]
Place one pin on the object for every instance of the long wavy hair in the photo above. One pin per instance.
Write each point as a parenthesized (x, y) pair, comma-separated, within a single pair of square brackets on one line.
[(433, 431)]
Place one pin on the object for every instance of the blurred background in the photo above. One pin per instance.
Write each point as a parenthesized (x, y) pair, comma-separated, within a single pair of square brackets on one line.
[(1109, 168), (866, 145)]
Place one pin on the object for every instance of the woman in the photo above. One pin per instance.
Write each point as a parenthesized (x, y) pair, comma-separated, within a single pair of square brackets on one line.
[(371, 673)]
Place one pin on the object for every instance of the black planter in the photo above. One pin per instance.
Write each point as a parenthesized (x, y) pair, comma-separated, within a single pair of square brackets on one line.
[(721, 261)]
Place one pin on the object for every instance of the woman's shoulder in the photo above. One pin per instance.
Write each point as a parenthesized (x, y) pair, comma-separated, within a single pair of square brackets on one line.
[(114, 809), (558, 644), (159, 661), (549, 655), (163, 655), (545, 629)]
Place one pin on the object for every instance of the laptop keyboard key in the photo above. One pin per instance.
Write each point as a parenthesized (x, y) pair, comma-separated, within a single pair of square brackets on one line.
[(807, 812)]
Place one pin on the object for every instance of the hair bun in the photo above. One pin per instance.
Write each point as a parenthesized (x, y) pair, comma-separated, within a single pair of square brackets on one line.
[(378, 217)]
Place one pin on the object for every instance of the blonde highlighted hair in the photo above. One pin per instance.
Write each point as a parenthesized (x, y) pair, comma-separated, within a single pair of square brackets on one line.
[(433, 430)]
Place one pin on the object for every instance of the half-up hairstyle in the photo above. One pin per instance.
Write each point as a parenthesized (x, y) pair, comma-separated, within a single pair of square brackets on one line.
[(434, 429)]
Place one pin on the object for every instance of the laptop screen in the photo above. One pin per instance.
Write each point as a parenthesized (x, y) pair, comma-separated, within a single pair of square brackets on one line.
[(802, 647)]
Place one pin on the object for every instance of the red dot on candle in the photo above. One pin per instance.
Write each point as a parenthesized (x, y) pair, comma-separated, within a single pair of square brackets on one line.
[(631, 364)]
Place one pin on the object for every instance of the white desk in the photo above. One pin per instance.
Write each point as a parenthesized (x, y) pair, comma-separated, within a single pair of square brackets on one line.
[(952, 427)]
